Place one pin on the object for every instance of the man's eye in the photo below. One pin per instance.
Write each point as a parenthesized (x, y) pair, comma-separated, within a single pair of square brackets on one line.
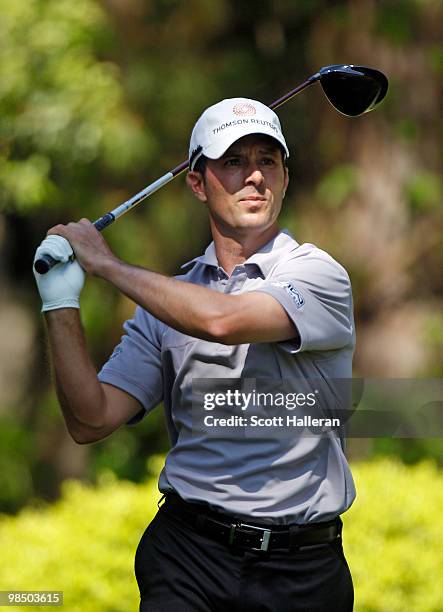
[(268, 161), (232, 161)]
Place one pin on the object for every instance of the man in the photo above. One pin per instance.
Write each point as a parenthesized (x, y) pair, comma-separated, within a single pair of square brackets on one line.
[(248, 521)]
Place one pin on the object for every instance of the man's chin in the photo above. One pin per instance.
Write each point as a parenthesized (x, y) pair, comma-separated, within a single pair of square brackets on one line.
[(254, 222)]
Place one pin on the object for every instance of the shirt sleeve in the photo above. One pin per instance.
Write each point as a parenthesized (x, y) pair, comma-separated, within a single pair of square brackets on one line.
[(315, 291), (135, 364)]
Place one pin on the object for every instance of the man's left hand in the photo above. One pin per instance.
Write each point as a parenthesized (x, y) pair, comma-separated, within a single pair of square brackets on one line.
[(90, 248)]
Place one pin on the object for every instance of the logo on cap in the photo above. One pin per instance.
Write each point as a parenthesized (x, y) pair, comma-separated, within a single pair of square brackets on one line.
[(244, 110)]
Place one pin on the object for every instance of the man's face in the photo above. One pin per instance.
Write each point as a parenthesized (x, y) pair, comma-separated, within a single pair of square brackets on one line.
[(244, 189)]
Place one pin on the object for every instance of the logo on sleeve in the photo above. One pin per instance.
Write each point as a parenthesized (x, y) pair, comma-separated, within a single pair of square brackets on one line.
[(296, 296)]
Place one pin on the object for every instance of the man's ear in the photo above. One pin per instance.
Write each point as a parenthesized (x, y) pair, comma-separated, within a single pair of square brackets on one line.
[(196, 184), (286, 183)]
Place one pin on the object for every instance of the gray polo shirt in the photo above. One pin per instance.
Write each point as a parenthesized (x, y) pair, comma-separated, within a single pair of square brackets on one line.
[(279, 479)]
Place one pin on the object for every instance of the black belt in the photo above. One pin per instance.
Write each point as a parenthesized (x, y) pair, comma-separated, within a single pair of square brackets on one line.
[(234, 532)]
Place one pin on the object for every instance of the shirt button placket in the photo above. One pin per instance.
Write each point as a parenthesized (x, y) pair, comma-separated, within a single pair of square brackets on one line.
[(237, 279), (222, 278)]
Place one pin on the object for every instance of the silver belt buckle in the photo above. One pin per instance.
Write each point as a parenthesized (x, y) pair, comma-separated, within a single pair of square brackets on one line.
[(265, 539)]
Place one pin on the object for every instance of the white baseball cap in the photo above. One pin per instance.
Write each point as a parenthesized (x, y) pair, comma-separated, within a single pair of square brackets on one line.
[(225, 122)]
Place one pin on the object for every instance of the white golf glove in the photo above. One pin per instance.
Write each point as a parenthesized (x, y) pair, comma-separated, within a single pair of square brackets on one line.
[(61, 286)]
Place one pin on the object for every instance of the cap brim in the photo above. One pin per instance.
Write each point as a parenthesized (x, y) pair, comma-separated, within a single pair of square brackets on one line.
[(216, 150)]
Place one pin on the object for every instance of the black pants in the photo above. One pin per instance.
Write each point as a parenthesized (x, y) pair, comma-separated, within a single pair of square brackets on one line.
[(181, 570)]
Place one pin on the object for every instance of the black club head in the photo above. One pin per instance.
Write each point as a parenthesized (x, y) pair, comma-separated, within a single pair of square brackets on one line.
[(353, 90)]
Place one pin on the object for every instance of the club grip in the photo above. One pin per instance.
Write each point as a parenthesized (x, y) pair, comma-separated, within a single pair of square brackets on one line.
[(104, 221), (44, 264)]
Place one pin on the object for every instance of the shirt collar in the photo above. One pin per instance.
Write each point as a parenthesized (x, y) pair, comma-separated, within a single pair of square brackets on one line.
[(265, 258), (209, 258)]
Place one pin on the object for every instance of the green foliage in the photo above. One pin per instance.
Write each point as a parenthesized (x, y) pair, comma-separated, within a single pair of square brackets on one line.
[(85, 543), (435, 55), (398, 25), (337, 185), (434, 339), (424, 191), (406, 128), (124, 453), (410, 451), (392, 537), (15, 449), (61, 108)]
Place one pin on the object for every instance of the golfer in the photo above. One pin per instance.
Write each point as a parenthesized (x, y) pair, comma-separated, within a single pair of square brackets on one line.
[(247, 522)]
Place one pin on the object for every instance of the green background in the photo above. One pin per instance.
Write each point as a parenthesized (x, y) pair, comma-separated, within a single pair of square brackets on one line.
[(97, 100)]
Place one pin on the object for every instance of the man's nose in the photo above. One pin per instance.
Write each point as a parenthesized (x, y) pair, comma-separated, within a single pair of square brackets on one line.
[(254, 177)]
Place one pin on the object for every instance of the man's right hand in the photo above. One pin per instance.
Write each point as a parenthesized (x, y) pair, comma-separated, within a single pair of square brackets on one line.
[(62, 285)]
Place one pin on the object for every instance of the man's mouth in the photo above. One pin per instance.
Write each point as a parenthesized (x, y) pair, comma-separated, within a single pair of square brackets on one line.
[(253, 198)]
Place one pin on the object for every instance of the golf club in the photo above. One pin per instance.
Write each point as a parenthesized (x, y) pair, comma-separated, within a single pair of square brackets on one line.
[(352, 90)]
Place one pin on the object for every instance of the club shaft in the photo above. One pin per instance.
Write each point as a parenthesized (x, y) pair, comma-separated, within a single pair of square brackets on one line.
[(166, 178), (294, 91), (44, 264), (140, 196)]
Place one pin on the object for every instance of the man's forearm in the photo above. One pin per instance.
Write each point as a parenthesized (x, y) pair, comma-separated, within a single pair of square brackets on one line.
[(79, 391), (194, 310), (187, 307), (190, 308)]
